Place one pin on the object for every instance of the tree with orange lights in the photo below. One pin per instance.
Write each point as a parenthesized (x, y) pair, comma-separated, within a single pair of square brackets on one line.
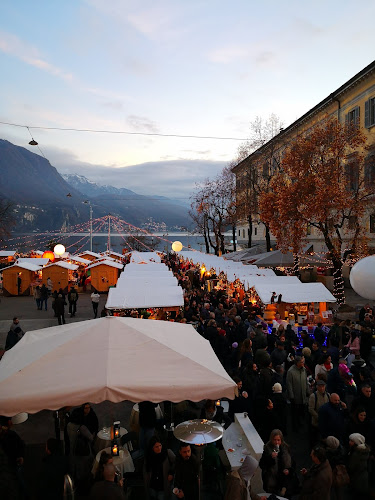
[(326, 182)]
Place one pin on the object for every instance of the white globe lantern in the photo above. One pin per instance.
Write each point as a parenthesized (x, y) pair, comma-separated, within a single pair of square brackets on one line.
[(362, 277), (59, 249), (177, 246)]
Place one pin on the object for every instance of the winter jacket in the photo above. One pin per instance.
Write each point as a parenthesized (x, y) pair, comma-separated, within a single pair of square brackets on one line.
[(317, 483), (357, 466), (297, 386)]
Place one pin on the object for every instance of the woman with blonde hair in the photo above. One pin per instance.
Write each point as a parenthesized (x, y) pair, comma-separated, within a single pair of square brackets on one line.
[(276, 464)]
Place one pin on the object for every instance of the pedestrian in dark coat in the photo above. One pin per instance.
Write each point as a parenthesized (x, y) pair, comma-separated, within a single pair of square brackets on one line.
[(357, 466), (331, 418), (187, 474), (317, 481), (60, 308)]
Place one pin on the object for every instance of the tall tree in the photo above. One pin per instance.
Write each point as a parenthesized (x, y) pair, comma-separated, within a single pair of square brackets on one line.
[(258, 168), (213, 209), (326, 182)]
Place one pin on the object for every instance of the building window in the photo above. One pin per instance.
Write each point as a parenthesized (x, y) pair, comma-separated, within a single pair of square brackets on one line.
[(353, 116), (248, 232), (352, 222), (370, 112), (372, 223), (370, 169), (352, 176), (255, 231), (239, 232)]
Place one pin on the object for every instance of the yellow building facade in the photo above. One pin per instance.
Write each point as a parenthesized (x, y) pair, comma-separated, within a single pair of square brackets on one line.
[(353, 101)]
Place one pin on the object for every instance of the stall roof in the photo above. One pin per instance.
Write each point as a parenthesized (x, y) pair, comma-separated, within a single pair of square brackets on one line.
[(109, 263), (111, 252), (25, 265), (7, 253), (293, 292), (44, 369), (38, 261), (144, 296), (80, 260), (65, 265), (137, 257), (93, 254)]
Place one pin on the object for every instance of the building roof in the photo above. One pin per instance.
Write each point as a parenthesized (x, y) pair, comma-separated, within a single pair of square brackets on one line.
[(321, 105), (7, 253)]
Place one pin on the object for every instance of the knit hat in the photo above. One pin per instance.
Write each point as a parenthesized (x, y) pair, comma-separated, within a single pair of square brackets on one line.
[(358, 439), (277, 387), (332, 442), (248, 468), (235, 345)]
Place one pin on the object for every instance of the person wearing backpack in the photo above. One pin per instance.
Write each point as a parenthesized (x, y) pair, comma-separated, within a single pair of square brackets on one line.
[(317, 399), (72, 299)]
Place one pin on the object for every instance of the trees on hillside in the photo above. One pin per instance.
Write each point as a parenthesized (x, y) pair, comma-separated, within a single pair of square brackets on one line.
[(7, 218), (326, 181)]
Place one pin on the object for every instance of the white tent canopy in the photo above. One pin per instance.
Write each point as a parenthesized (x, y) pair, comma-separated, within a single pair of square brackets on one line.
[(293, 292), (137, 257), (144, 296), (113, 359)]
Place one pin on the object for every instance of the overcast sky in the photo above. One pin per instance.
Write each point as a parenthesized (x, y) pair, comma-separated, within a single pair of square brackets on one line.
[(185, 67)]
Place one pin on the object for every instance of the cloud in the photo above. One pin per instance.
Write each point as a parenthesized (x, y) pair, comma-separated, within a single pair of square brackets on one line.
[(142, 123), (14, 46), (170, 178)]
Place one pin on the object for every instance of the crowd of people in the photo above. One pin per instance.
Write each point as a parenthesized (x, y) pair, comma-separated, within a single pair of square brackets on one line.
[(319, 385)]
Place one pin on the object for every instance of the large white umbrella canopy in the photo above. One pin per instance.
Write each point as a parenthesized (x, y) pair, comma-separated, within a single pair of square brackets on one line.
[(114, 359)]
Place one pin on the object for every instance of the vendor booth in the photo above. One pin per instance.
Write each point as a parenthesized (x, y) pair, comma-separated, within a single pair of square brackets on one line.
[(60, 274), (18, 278), (121, 359), (104, 274)]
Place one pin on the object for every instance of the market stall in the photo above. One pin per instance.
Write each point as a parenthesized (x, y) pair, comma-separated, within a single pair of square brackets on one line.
[(61, 274), (18, 278), (44, 369), (104, 274)]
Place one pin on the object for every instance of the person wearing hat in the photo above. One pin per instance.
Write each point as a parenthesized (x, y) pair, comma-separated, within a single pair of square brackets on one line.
[(238, 485), (357, 466), (317, 399)]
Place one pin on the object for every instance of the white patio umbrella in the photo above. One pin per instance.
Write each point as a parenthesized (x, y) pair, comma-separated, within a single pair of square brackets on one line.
[(112, 359)]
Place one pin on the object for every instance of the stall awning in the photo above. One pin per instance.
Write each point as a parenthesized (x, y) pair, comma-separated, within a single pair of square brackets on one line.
[(293, 292)]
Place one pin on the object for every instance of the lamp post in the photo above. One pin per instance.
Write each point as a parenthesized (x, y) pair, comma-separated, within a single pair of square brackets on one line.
[(89, 203)]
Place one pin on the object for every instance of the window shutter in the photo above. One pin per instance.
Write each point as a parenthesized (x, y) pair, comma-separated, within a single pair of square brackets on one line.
[(356, 115), (367, 114)]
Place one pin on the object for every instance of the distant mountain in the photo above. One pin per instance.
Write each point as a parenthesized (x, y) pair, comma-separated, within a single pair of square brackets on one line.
[(90, 188), (44, 200)]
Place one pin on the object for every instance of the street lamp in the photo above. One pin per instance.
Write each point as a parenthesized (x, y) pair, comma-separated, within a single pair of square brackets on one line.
[(89, 203)]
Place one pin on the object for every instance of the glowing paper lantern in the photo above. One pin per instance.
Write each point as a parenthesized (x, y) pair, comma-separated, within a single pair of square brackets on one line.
[(362, 277), (48, 254), (59, 249), (177, 246)]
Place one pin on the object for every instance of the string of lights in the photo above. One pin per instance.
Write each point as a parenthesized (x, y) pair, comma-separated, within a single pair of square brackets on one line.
[(119, 132)]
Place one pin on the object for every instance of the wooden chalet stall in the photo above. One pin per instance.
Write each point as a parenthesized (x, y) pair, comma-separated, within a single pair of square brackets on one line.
[(104, 274), (91, 256), (60, 274), (7, 256), (18, 278)]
